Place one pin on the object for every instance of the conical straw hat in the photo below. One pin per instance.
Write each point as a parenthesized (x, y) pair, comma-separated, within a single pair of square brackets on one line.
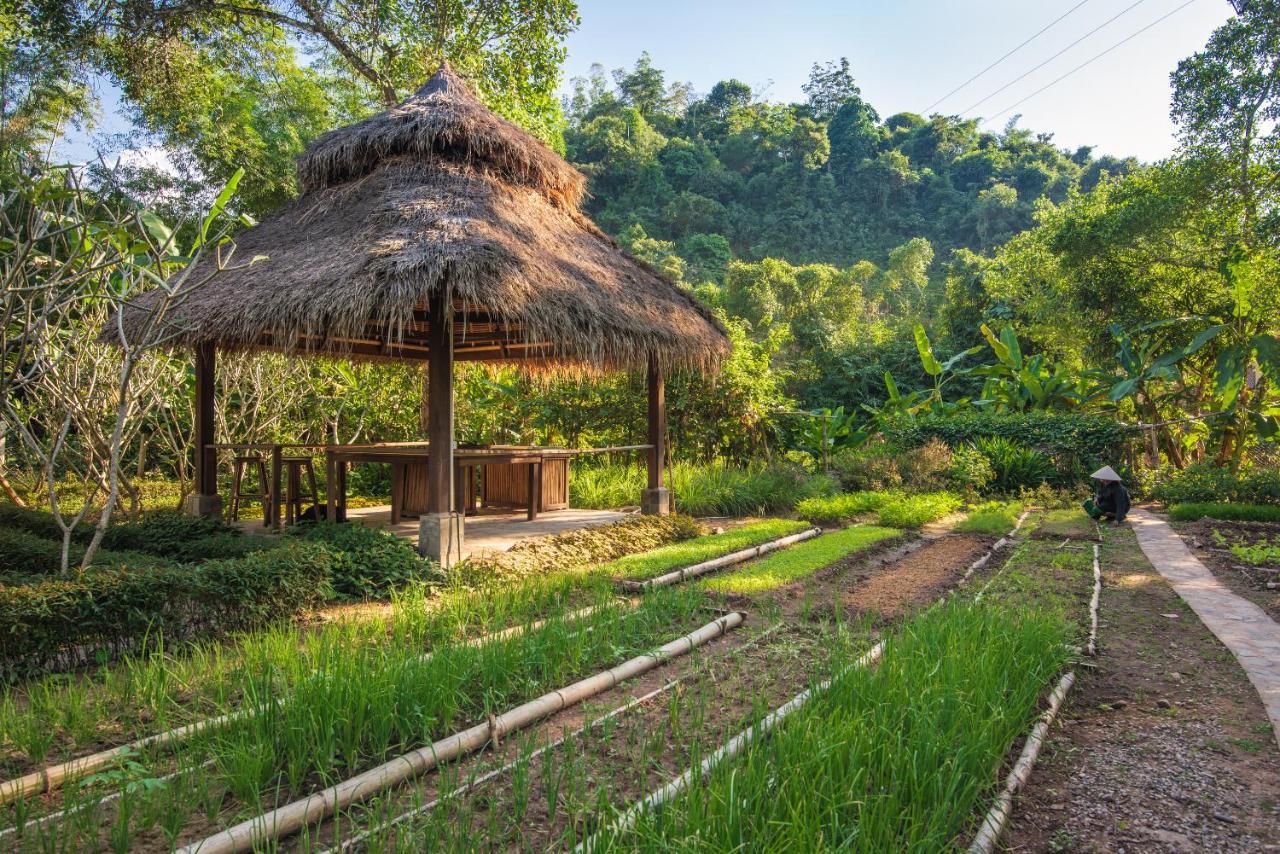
[(1106, 473)]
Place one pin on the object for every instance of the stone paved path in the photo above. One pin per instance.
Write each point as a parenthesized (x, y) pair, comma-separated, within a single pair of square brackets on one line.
[(1245, 629)]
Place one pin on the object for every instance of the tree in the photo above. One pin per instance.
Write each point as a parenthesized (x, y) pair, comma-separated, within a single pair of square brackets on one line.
[(830, 85)]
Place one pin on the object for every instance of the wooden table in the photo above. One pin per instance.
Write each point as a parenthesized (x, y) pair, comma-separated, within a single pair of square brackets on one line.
[(405, 460)]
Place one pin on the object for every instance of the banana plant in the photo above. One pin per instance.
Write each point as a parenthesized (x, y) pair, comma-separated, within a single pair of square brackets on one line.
[(941, 372), (1019, 383), (827, 431)]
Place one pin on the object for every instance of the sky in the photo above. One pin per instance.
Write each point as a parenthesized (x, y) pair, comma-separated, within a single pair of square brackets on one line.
[(906, 56)]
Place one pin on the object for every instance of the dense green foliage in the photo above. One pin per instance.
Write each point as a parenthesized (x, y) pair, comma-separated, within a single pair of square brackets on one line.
[(62, 623), (701, 490), (920, 736), (798, 561), (1206, 482), (369, 563), (993, 518)]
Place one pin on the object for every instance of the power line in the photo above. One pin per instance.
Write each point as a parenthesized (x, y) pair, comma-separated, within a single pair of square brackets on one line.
[(1092, 60), (1031, 71), (1039, 33)]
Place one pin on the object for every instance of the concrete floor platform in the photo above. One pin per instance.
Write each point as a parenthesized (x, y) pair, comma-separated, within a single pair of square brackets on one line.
[(490, 530)]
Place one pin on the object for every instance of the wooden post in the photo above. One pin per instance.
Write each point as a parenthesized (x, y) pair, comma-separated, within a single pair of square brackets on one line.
[(277, 484), (656, 500), (205, 501), (440, 528)]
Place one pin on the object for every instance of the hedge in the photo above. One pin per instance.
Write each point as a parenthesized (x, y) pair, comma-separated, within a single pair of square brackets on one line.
[(1224, 512), (105, 612), (369, 563), (1080, 442)]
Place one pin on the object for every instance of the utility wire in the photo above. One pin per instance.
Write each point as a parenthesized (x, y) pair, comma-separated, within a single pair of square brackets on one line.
[(1092, 60), (1025, 74), (1039, 33)]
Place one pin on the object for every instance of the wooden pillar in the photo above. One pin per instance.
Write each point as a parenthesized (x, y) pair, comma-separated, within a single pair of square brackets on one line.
[(440, 528), (205, 501), (656, 500)]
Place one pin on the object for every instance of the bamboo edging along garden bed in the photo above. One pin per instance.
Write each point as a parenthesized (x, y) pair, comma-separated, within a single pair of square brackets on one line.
[(994, 822), (678, 575), (291, 818), (50, 778)]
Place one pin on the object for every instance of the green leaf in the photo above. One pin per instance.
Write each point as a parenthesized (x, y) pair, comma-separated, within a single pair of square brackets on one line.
[(930, 362), (1229, 373), (1123, 389), (160, 232), (1001, 351), (1267, 348), (219, 205)]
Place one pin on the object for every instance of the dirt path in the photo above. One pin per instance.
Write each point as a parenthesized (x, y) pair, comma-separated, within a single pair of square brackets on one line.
[(1164, 747)]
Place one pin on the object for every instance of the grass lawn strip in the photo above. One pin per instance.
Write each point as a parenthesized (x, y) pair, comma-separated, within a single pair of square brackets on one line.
[(798, 561), (689, 552)]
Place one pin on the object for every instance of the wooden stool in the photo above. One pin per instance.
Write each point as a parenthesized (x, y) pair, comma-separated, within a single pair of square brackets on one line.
[(294, 494), (238, 492)]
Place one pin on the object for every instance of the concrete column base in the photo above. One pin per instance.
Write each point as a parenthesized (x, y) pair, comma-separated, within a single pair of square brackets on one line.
[(655, 502), (204, 505), (440, 537)]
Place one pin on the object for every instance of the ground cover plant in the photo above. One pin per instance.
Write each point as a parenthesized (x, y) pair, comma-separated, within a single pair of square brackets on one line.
[(369, 563), (993, 518), (892, 509), (666, 558), (798, 561), (921, 738), (1192, 511)]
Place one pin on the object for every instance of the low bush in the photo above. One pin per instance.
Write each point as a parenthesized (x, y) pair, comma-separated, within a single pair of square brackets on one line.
[(38, 522), (369, 563), (1015, 466), (23, 553), (700, 489), (871, 468), (63, 623), (994, 518), (1226, 512), (926, 468), (1208, 482), (842, 508), (181, 537), (575, 549), (913, 511), (970, 470)]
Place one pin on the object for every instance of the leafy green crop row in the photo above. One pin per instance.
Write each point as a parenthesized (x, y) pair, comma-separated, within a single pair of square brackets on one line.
[(783, 567), (896, 758)]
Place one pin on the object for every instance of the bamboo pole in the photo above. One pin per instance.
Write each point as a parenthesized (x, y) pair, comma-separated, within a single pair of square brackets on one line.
[(679, 575), (993, 824), (262, 830), (1092, 647), (728, 750), (50, 778)]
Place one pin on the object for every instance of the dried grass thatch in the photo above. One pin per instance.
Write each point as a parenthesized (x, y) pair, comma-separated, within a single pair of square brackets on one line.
[(440, 192)]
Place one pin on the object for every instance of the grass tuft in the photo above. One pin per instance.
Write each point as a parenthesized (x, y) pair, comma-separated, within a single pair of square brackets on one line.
[(994, 518)]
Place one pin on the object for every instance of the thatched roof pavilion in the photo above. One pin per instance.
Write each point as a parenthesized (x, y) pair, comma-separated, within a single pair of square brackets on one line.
[(441, 194), (436, 231)]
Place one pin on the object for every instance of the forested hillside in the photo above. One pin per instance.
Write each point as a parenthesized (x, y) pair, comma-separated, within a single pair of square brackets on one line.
[(827, 180)]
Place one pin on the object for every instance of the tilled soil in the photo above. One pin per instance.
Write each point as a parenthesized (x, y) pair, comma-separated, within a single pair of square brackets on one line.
[(1241, 578), (890, 592), (1164, 747)]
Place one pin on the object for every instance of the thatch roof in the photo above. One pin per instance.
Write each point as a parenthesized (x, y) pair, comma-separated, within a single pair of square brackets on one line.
[(440, 192)]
